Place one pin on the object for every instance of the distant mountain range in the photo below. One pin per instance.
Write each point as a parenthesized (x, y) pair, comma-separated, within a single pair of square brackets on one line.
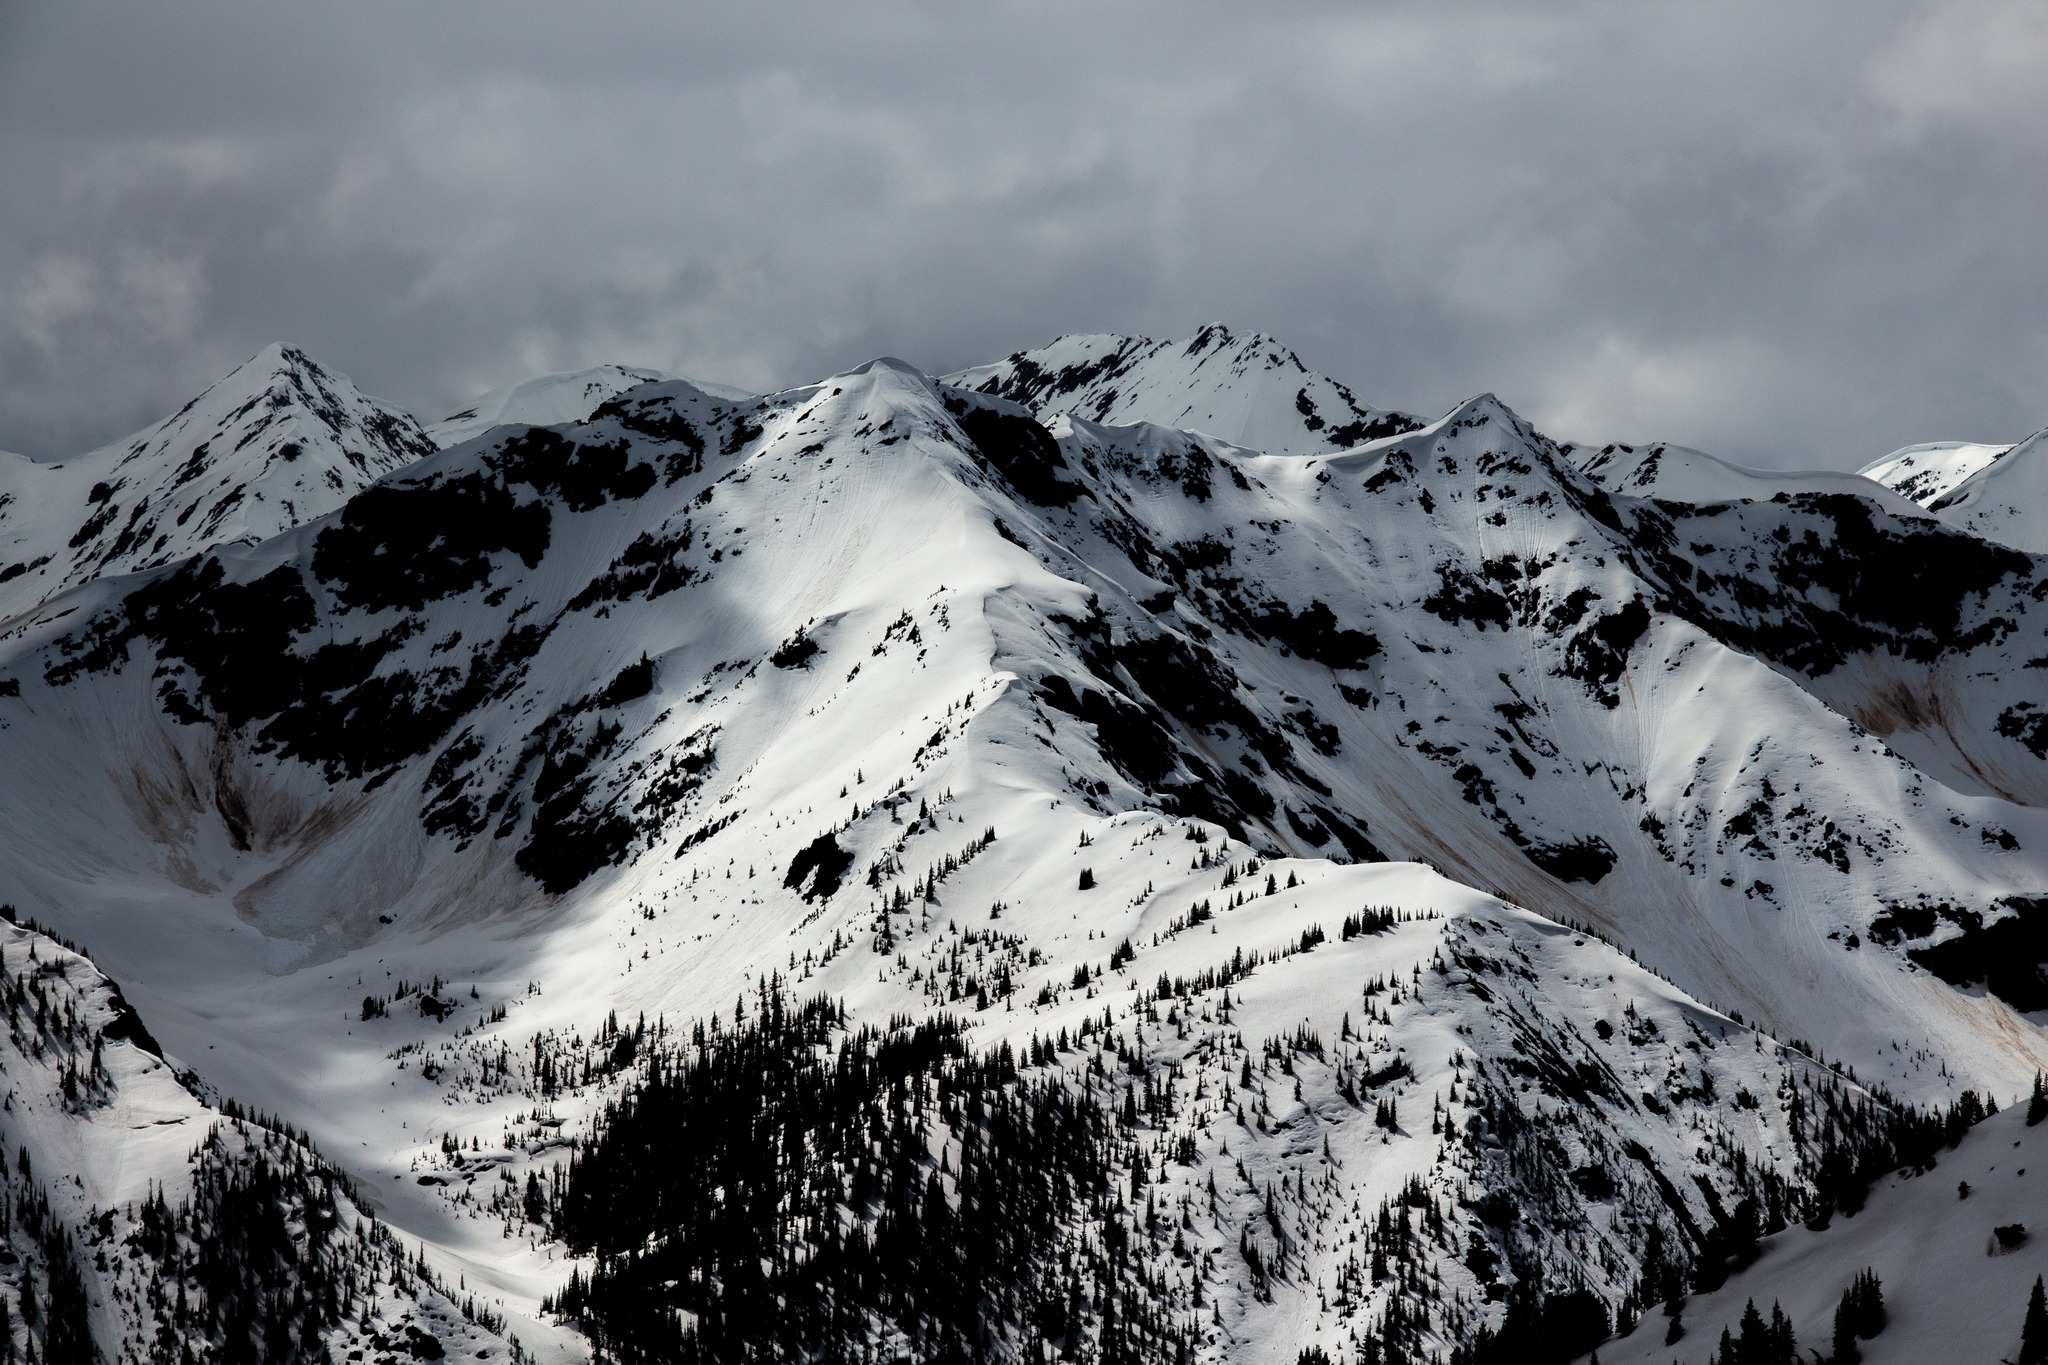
[(1125, 853)]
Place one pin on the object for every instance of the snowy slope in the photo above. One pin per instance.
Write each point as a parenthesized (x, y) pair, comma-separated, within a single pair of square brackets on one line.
[(630, 715), (1774, 844), (1996, 492), (1679, 474), (1250, 391), (277, 442), (1951, 1290), (551, 399), (1924, 472), (122, 1181), (2006, 501)]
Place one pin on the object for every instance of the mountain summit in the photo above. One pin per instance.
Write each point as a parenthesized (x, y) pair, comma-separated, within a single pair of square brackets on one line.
[(551, 399), (275, 443), (1250, 391)]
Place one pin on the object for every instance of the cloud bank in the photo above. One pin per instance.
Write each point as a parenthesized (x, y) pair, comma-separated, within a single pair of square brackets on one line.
[(1790, 235)]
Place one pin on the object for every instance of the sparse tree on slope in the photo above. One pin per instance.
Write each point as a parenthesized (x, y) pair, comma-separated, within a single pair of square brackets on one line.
[(2034, 1333)]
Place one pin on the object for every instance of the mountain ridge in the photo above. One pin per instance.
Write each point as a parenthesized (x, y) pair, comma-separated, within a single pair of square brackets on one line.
[(1276, 404), (437, 821), (551, 399)]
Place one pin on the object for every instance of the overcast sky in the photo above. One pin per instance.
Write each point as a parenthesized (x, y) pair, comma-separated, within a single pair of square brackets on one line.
[(1788, 234)]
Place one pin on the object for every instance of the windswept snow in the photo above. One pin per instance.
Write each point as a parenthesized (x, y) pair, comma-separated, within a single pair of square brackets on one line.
[(551, 399), (1952, 1290), (1678, 474), (2006, 501), (1997, 492)]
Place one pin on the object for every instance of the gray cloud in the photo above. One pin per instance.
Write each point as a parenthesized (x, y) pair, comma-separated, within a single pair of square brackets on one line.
[(1786, 234)]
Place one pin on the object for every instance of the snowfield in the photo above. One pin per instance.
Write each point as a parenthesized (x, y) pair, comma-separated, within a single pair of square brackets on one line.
[(1926, 471), (1952, 1289), (1454, 890)]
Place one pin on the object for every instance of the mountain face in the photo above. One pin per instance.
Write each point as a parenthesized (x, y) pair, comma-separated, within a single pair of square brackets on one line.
[(1676, 474), (1996, 492), (727, 873), (1249, 391), (267, 1252), (278, 442), (1949, 1286), (2004, 501), (1924, 472), (545, 400)]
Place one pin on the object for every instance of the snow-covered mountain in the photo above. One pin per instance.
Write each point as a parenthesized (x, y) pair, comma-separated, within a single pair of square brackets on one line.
[(551, 399), (2006, 500), (1250, 391), (1924, 472), (278, 442), (1997, 492), (1395, 897), (1678, 474), (146, 1219)]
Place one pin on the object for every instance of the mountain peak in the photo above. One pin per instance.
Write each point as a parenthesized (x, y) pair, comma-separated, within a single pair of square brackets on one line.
[(1926, 471), (546, 400), (277, 441), (1248, 390), (279, 369), (888, 364), (2004, 499), (277, 355)]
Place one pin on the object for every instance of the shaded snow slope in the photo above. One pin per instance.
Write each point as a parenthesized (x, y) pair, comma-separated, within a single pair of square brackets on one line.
[(2006, 501), (127, 1191), (1250, 391), (850, 685), (278, 442), (1997, 492), (551, 399), (1924, 472), (1952, 1290), (1678, 474)]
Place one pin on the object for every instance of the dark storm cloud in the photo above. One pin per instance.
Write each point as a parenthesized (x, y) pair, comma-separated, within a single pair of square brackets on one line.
[(1787, 234)]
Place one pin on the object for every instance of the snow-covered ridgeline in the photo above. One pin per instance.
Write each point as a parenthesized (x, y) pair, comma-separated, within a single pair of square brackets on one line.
[(627, 715)]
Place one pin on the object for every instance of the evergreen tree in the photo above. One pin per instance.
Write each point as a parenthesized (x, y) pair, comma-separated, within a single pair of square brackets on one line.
[(1781, 1346), (2034, 1332), (1751, 1343), (2037, 1105), (1540, 1329), (1867, 1297), (1757, 1342), (1843, 1349), (812, 1218), (1859, 1314)]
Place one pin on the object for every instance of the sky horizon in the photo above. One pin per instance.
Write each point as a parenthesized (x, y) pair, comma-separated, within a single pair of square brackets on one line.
[(1789, 237)]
